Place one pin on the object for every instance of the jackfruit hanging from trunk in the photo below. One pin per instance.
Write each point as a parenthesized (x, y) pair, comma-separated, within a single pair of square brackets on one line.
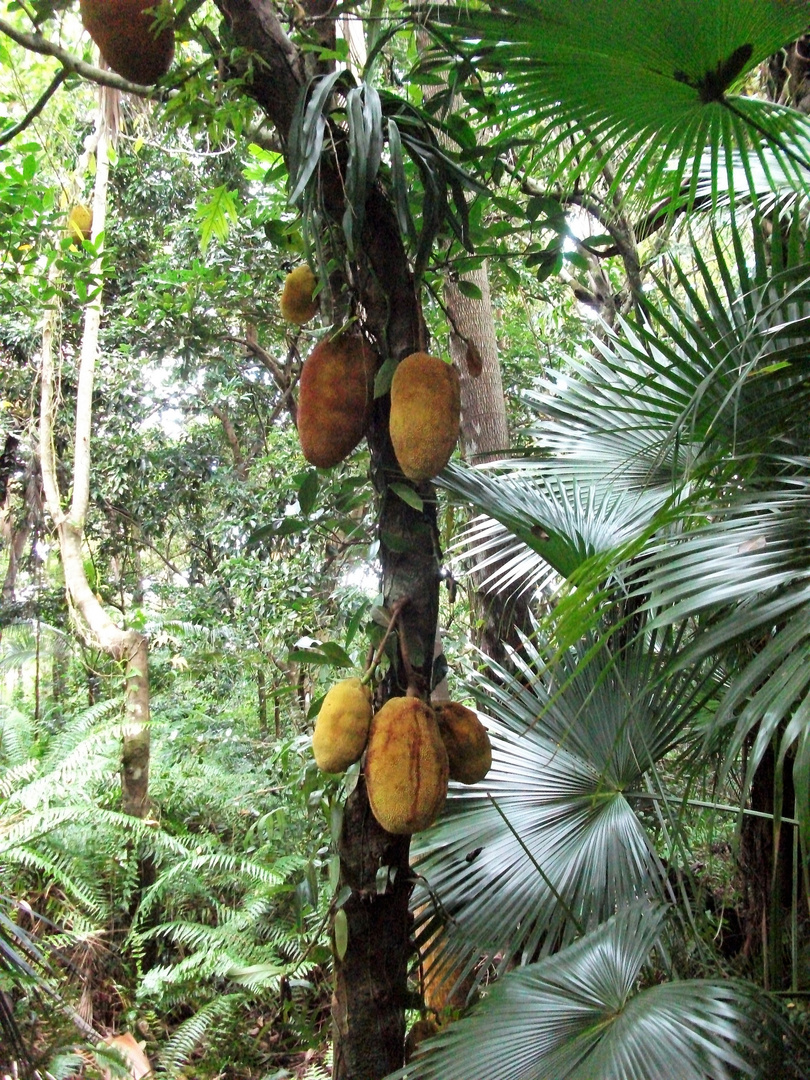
[(335, 396), (425, 414), (123, 31)]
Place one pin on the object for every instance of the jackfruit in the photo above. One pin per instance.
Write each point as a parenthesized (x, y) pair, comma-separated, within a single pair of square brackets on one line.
[(406, 766), (296, 303), (335, 397), (465, 738), (425, 413), (122, 29), (80, 222), (341, 730)]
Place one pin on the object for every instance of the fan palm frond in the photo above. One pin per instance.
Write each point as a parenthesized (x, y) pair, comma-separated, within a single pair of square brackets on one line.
[(707, 423), (674, 75), (579, 1014), (551, 844)]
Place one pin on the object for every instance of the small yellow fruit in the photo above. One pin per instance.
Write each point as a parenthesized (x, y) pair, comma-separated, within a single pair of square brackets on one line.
[(425, 414), (465, 738), (341, 730), (335, 397), (80, 222), (406, 766), (297, 304)]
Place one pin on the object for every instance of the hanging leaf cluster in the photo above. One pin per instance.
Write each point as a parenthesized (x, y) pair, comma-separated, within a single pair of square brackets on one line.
[(371, 136)]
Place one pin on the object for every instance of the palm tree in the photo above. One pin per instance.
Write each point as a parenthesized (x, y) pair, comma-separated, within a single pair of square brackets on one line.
[(669, 492)]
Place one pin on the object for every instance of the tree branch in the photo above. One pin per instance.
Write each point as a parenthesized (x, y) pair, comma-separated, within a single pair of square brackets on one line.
[(240, 465), (72, 64), (35, 110), (283, 380), (272, 68)]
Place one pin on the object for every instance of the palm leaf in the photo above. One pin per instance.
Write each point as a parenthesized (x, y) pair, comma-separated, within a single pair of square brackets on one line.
[(579, 1015), (648, 88), (706, 426), (551, 843)]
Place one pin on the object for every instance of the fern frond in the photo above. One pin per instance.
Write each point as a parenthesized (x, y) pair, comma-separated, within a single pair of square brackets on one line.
[(191, 1032)]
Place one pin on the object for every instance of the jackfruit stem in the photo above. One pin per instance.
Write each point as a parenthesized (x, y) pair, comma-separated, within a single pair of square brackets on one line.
[(396, 608)]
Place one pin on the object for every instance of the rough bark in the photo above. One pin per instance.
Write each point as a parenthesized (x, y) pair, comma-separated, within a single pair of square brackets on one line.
[(766, 874), (484, 425), (371, 977), (497, 616)]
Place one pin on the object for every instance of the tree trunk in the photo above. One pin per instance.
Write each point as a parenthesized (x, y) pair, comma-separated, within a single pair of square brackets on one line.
[(126, 646), (261, 694), (484, 426), (370, 987), (497, 615)]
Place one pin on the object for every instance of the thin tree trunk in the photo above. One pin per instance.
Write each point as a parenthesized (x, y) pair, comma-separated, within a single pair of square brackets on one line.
[(261, 694), (368, 1005), (497, 616), (126, 646), (484, 425)]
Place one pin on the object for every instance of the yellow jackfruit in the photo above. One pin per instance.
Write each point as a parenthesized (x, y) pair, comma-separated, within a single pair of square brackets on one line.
[(406, 766), (341, 730), (465, 738), (296, 303), (335, 397), (80, 222), (425, 413), (122, 29)]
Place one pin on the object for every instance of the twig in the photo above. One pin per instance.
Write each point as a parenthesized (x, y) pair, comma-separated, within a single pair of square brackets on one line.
[(395, 613), (35, 110)]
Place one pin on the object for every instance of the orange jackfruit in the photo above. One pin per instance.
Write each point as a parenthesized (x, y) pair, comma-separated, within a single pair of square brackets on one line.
[(335, 397), (122, 29), (406, 766), (425, 413), (465, 738), (296, 303), (341, 730)]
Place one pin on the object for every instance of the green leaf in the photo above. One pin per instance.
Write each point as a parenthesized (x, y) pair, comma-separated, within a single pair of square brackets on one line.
[(399, 188), (468, 288), (216, 216), (572, 734), (341, 929), (673, 73), (307, 656), (308, 491), (307, 132), (408, 495), (336, 654), (579, 1015), (382, 380)]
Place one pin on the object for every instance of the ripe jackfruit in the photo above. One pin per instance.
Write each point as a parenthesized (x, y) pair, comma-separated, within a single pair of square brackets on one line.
[(296, 303), (406, 766), (122, 29), (80, 222), (341, 730), (335, 396), (425, 412), (465, 738)]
